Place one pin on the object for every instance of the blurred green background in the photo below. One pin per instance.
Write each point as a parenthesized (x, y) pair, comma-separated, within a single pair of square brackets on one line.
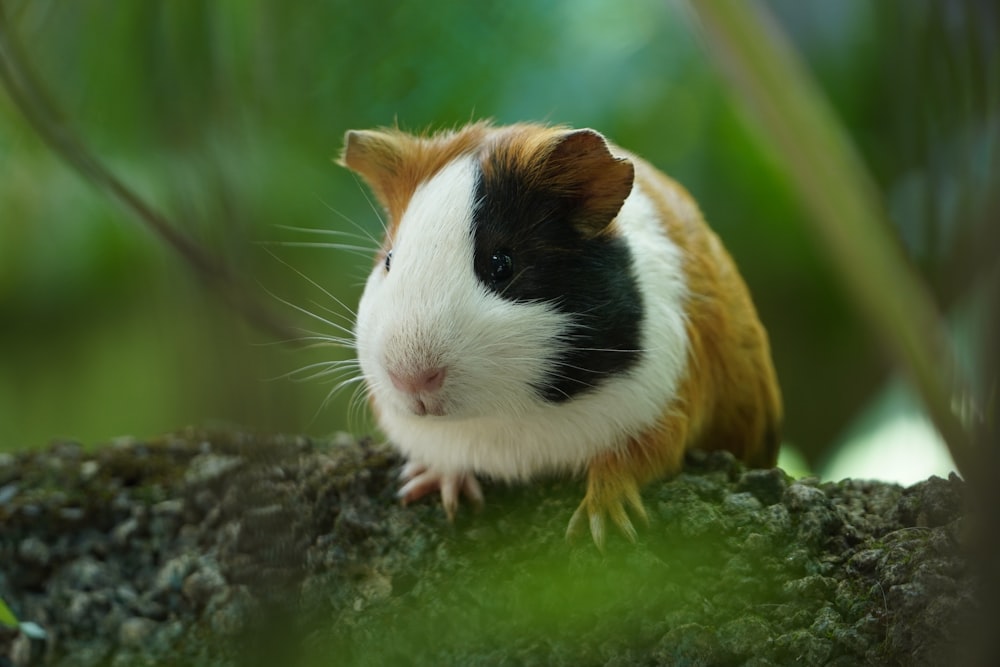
[(226, 115)]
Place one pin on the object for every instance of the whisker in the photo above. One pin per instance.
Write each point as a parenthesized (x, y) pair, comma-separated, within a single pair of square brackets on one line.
[(566, 378), (354, 224), (334, 391), (307, 372), (308, 313), (330, 232), (337, 344), (312, 341), (319, 341), (332, 312), (338, 376), (357, 250), (378, 215), (337, 340), (316, 285), (611, 349), (357, 404), (512, 281), (566, 395), (567, 338)]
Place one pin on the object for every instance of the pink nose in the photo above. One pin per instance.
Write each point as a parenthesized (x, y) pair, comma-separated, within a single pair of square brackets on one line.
[(425, 381)]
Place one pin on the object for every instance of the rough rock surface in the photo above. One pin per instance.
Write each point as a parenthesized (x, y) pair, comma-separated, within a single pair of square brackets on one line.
[(223, 548)]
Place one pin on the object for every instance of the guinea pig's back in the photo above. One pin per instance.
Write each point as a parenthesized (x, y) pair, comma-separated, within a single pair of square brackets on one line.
[(730, 386)]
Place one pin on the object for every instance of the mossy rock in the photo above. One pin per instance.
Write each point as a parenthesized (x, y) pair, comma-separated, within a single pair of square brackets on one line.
[(226, 548)]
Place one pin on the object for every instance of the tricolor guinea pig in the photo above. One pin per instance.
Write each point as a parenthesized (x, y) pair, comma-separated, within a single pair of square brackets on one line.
[(547, 302)]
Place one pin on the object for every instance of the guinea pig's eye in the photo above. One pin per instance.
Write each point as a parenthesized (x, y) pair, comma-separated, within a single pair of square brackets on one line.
[(388, 260), (501, 267)]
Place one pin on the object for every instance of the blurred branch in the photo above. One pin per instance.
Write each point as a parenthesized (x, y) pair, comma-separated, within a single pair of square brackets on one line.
[(31, 98), (846, 207)]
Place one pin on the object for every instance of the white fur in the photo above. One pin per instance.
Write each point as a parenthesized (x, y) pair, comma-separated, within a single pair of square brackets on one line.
[(430, 309)]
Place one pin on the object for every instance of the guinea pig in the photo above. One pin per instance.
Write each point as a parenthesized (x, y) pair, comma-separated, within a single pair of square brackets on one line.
[(546, 302)]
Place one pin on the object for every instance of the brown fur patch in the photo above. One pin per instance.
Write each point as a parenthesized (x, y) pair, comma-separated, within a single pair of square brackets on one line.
[(729, 395)]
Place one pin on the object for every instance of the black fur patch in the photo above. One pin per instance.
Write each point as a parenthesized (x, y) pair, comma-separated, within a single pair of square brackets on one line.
[(592, 280)]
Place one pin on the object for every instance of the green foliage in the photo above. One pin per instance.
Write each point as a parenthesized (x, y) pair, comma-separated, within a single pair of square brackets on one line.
[(7, 617), (845, 208)]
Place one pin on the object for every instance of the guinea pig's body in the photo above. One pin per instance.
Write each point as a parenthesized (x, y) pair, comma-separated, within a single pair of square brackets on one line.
[(545, 302)]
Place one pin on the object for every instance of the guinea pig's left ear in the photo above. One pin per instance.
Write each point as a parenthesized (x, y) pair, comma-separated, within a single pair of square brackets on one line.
[(367, 149), (582, 167), (374, 155)]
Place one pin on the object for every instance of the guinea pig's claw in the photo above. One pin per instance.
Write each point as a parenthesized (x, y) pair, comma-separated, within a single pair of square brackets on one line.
[(473, 491), (418, 483), (420, 480), (575, 526), (596, 509), (455, 486), (410, 470)]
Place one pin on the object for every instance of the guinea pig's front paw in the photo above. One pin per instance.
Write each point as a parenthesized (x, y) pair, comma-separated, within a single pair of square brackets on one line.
[(419, 480), (606, 497)]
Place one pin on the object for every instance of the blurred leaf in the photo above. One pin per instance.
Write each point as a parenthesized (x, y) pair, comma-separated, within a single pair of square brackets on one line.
[(847, 210), (7, 617), (34, 101)]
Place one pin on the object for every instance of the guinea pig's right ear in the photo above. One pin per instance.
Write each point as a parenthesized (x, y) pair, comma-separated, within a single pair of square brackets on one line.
[(376, 157), (582, 167)]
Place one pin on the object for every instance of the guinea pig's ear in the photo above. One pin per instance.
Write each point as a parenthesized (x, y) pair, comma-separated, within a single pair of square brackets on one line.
[(376, 157), (581, 166), (366, 151)]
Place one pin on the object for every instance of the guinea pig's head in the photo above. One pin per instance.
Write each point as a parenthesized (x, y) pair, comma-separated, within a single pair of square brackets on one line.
[(503, 285)]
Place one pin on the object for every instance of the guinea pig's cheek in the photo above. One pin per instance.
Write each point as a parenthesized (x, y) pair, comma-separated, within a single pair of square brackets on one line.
[(503, 352), (369, 342)]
